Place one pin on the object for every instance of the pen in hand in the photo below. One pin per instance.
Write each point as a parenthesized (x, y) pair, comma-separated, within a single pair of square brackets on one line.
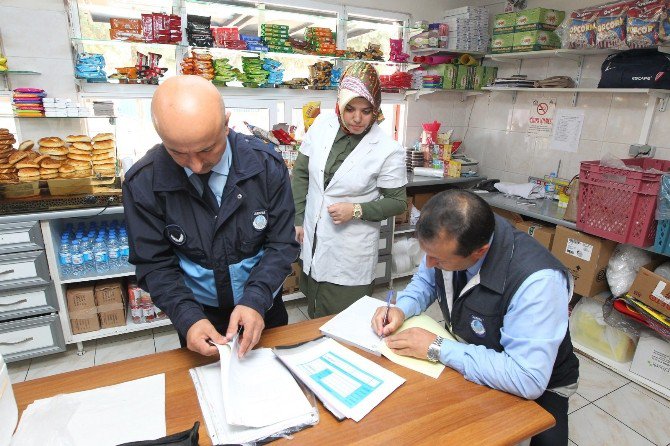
[(385, 322)]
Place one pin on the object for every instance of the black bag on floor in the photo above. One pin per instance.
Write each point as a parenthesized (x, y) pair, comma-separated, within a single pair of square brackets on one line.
[(641, 68), (186, 438)]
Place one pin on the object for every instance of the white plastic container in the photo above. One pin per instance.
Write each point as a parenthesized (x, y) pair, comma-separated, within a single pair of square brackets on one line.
[(9, 411)]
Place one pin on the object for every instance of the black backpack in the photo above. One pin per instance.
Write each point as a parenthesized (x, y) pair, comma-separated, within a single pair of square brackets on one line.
[(640, 68)]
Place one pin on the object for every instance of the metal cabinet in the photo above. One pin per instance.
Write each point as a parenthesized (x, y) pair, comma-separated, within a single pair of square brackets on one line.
[(29, 325)]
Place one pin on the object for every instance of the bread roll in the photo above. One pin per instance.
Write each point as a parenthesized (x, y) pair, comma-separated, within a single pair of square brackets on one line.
[(27, 145), (50, 163), (77, 138), (66, 168), (79, 152), (78, 167), (23, 164), (86, 146), (44, 171), (82, 174), (103, 145), (17, 156), (108, 166), (103, 157), (79, 157), (46, 150), (103, 137), (51, 141), (29, 172), (8, 170), (48, 176)]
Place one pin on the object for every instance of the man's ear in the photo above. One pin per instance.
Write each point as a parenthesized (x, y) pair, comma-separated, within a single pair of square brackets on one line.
[(480, 252)]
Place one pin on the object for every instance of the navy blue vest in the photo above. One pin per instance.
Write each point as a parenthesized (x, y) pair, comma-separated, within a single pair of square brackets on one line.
[(477, 315)]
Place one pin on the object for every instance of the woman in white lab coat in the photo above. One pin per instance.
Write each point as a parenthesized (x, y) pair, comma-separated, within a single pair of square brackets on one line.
[(348, 177)]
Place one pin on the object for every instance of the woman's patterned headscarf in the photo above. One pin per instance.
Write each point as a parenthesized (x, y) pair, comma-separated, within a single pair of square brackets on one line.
[(360, 80)]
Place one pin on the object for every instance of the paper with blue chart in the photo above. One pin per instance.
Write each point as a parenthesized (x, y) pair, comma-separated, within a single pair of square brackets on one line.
[(347, 384)]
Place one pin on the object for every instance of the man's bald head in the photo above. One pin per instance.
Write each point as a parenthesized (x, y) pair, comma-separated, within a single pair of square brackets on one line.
[(190, 117)]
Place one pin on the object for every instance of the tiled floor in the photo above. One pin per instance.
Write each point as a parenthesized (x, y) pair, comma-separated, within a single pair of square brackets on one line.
[(607, 409)]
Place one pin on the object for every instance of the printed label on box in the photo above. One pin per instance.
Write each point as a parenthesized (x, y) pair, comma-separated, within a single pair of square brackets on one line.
[(579, 249), (658, 293)]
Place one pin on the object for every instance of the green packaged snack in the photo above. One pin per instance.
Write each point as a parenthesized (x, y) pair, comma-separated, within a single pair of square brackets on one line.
[(502, 43), (464, 78), (504, 23), (536, 41), (541, 19), (449, 73)]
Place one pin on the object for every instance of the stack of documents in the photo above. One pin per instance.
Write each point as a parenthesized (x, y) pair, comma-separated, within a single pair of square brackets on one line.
[(353, 326), (251, 399), (347, 384)]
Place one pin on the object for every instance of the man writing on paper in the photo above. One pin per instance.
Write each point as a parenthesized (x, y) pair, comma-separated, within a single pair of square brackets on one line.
[(210, 218), (503, 296)]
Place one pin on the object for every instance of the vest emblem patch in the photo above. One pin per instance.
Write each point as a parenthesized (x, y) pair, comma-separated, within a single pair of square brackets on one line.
[(477, 326)]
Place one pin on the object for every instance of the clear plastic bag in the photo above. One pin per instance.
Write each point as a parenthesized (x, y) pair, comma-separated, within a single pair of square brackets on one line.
[(663, 208), (623, 267), (588, 327)]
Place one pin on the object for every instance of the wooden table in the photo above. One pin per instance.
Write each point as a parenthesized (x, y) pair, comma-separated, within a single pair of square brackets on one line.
[(449, 410)]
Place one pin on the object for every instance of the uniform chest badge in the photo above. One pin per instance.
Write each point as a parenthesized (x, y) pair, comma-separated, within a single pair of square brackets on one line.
[(260, 220), (176, 234), (477, 326)]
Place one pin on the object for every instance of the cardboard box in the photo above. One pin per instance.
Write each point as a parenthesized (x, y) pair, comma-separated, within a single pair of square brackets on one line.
[(504, 23), (538, 19), (652, 359), (110, 301), (586, 257), (502, 43), (510, 216), (421, 199), (652, 289), (543, 234), (535, 41), (81, 309)]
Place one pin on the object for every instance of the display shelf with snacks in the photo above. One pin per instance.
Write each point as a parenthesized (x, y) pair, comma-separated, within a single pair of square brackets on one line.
[(465, 94), (433, 51), (80, 40), (566, 53)]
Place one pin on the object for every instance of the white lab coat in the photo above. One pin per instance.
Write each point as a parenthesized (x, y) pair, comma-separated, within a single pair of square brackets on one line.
[(346, 254)]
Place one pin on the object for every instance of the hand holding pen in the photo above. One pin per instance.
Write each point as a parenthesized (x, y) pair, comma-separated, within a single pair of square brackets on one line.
[(387, 319)]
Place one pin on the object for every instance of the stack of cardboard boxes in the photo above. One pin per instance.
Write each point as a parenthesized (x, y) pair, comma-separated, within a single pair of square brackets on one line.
[(527, 30), (92, 307)]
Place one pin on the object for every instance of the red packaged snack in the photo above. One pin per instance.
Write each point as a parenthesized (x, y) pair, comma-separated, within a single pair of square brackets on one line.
[(581, 28), (148, 27), (611, 25), (643, 23), (126, 24)]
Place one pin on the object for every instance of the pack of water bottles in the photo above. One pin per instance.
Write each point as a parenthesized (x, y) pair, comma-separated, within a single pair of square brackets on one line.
[(93, 249)]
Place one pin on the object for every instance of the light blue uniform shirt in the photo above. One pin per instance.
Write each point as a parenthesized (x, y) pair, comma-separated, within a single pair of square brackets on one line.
[(533, 328), (201, 280)]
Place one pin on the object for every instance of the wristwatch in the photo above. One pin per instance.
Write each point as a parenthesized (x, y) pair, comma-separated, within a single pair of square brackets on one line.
[(434, 349), (358, 211)]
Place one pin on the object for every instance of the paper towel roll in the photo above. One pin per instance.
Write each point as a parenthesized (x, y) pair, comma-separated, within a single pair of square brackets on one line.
[(428, 172)]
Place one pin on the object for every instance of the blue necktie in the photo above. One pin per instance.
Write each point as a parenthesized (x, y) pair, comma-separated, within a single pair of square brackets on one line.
[(459, 279), (207, 194)]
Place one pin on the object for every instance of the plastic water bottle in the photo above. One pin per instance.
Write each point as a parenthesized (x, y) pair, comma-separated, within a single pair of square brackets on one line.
[(101, 255), (114, 252), (69, 230), (89, 259), (77, 259), (123, 246), (64, 256)]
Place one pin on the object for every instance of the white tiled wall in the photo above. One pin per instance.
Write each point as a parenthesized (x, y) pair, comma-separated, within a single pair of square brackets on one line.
[(493, 127)]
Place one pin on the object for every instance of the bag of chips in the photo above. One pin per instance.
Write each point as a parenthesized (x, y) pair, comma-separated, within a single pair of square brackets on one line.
[(309, 113)]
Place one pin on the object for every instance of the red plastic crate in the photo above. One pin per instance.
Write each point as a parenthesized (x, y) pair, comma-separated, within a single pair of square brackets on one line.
[(620, 204)]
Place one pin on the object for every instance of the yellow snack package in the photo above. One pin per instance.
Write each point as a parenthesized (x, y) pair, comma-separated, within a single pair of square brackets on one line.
[(309, 113)]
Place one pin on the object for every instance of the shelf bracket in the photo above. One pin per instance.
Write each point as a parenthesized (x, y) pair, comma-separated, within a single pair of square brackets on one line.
[(662, 103), (574, 99)]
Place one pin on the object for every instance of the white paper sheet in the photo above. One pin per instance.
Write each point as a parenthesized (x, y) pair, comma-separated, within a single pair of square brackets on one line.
[(207, 382), (258, 390), (354, 325), (106, 416), (342, 379), (567, 130)]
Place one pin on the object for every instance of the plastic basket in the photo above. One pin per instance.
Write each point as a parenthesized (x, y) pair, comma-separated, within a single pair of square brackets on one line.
[(619, 204), (662, 242)]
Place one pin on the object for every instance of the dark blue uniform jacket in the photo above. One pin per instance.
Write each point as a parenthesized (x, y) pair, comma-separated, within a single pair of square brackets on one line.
[(249, 246)]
